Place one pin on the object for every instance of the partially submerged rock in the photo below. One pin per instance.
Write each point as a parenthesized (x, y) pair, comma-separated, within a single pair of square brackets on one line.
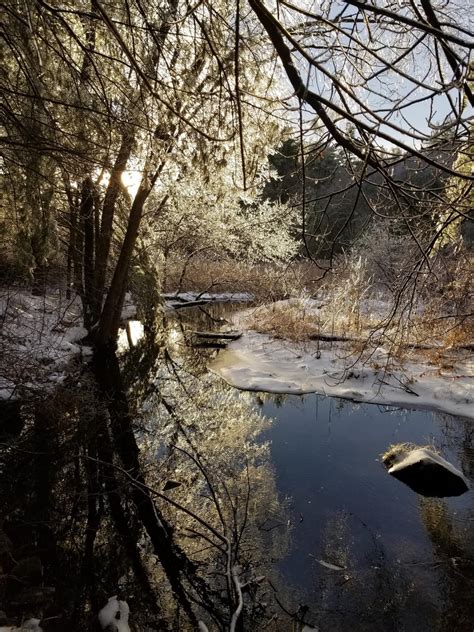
[(424, 471)]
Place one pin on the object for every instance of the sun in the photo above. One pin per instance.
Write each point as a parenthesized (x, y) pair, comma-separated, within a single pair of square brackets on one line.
[(131, 180)]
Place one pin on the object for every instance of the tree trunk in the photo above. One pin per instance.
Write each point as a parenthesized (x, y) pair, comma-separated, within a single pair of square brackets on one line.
[(78, 252), (108, 211), (110, 317), (87, 221), (72, 241)]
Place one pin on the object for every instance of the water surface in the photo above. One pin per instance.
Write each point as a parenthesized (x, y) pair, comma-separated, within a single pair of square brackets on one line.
[(400, 554), (317, 529)]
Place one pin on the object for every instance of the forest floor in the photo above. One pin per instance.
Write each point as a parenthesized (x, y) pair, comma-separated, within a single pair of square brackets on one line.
[(41, 340)]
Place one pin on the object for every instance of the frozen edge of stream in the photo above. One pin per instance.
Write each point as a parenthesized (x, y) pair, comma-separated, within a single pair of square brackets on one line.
[(258, 362)]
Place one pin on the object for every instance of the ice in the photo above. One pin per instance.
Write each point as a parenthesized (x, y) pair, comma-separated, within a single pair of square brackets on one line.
[(258, 362)]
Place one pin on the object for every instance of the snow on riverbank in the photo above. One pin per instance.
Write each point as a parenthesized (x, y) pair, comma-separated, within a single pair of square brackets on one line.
[(258, 362), (38, 339)]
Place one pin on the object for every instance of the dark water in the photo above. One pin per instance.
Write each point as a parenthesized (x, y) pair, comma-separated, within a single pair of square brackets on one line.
[(407, 560), (266, 486)]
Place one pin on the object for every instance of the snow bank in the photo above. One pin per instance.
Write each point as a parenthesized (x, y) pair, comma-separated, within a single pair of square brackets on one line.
[(114, 615), (257, 362), (41, 335), (38, 339)]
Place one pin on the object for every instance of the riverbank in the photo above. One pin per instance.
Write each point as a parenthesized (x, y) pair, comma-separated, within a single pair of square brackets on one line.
[(442, 380)]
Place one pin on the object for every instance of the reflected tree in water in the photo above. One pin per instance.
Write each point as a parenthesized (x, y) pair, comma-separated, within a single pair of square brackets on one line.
[(162, 495), (452, 535)]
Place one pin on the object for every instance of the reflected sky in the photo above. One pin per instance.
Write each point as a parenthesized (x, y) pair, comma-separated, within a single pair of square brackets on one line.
[(347, 511)]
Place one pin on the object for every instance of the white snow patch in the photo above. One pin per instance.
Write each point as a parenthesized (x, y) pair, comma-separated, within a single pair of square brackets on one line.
[(115, 614), (404, 460), (38, 339), (258, 362), (40, 335)]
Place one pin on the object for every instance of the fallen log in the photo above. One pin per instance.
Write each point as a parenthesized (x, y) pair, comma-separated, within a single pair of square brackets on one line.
[(216, 335), (405, 345), (190, 303), (209, 344), (335, 338)]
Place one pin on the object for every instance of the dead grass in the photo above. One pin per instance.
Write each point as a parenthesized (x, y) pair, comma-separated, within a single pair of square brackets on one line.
[(354, 305), (266, 282), (291, 320)]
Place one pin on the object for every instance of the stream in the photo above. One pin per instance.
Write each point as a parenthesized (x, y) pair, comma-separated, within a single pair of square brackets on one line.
[(396, 555), (319, 534)]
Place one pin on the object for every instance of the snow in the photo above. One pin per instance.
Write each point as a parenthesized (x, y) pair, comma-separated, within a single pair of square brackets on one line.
[(30, 625), (109, 613), (38, 339), (258, 362), (404, 460)]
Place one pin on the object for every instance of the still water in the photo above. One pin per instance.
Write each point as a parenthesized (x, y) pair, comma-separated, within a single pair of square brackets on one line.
[(367, 552), (171, 488), (363, 551)]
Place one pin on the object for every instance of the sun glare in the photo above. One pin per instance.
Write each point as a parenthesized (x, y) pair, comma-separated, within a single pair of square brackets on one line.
[(131, 181)]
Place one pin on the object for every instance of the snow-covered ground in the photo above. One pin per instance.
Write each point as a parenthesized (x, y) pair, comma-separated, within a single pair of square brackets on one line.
[(258, 362), (38, 340)]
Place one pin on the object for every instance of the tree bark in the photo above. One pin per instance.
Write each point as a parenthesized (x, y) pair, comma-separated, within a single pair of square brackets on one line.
[(108, 211), (72, 241), (110, 316), (87, 221)]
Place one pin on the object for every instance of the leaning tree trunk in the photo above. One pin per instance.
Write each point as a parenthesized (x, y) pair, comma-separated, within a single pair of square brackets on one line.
[(104, 239), (111, 313), (87, 221)]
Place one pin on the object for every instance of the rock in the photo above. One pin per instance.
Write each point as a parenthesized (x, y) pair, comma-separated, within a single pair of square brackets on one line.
[(114, 615), (424, 471)]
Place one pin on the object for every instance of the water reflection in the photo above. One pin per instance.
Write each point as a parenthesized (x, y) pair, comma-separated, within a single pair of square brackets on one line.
[(178, 493), (174, 516), (367, 553)]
